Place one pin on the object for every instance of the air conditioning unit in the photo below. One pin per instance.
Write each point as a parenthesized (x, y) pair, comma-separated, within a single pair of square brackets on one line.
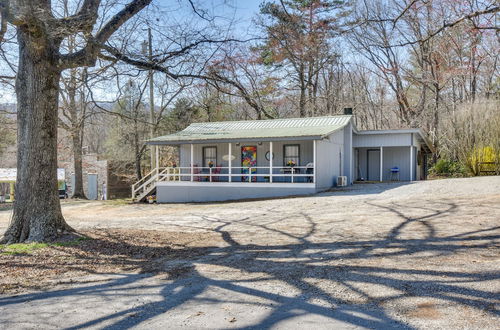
[(341, 181)]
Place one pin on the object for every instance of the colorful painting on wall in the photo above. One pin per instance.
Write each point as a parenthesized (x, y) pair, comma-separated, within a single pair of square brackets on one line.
[(248, 159)]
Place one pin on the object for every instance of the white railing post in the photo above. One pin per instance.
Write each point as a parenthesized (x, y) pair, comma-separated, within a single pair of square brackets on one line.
[(210, 173), (249, 174), (293, 171), (314, 161), (230, 154), (351, 170), (411, 163), (381, 164), (192, 165), (271, 161)]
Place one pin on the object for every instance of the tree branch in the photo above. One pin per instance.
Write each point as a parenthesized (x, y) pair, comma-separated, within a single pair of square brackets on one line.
[(82, 21), (3, 23), (470, 16), (88, 55)]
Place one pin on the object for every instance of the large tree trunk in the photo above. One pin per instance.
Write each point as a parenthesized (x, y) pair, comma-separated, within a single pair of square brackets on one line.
[(37, 213)]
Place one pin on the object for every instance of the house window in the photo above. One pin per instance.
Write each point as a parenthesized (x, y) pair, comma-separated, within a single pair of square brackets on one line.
[(291, 154), (209, 156)]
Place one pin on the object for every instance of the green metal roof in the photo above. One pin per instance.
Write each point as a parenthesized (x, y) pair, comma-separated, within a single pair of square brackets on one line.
[(273, 129)]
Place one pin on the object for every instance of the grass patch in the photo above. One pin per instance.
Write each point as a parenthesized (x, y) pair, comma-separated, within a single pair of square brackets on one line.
[(119, 201), (28, 248), (21, 248)]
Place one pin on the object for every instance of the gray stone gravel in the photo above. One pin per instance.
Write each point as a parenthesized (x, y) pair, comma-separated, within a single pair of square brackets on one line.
[(419, 255)]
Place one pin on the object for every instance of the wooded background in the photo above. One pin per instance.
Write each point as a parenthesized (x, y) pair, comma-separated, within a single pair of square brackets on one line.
[(398, 64)]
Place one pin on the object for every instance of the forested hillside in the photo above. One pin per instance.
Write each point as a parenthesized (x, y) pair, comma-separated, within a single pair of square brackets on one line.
[(429, 64)]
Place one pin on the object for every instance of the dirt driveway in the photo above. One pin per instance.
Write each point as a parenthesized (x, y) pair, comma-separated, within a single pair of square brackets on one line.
[(420, 255)]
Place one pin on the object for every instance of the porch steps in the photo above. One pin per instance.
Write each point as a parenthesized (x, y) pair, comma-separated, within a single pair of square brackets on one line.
[(147, 185), (147, 192)]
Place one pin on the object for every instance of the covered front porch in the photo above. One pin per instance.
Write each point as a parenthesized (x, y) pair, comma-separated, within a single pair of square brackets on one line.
[(263, 162), (232, 170)]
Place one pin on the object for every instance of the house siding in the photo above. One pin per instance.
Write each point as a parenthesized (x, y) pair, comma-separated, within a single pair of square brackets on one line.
[(330, 155), (385, 140), (348, 160)]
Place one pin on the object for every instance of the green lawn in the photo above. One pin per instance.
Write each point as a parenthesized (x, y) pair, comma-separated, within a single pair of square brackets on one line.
[(27, 248)]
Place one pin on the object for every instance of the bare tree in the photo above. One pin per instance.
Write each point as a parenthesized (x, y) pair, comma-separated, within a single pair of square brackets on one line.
[(240, 73), (37, 213), (73, 116), (298, 37)]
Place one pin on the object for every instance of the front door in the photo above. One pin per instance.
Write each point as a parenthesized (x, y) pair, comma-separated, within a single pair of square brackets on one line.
[(248, 160), (92, 186), (373, 160)]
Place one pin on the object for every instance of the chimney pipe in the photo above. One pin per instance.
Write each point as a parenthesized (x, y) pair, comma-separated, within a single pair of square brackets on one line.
[(348, 111)]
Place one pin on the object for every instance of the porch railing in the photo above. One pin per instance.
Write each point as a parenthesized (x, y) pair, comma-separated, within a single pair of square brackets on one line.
[(296, 174)]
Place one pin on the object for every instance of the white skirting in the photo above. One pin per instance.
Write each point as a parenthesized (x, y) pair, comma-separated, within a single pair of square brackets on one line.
[(185, 191)]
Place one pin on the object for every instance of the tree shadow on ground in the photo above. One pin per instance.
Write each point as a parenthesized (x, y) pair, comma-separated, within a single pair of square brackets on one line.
[(305, 266)]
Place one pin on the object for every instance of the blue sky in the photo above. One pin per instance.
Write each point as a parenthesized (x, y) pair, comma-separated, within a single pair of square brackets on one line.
[(243, 11), (239, 12), (247, 8)]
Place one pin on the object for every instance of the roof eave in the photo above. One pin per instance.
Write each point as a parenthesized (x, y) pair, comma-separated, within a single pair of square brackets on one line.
[(237, 140)]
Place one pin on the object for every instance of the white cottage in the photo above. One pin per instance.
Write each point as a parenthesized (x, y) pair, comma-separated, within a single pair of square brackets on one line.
[(281, 157)]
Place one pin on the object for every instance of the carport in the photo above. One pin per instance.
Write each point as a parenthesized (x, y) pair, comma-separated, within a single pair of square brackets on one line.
[(377, 152)]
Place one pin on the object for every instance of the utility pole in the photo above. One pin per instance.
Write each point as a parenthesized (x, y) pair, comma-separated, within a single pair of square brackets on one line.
[(151, 99)]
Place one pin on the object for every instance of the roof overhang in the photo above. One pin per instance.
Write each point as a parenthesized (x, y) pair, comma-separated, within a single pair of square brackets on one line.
[(291, 129), (421, 136), (237, 140)]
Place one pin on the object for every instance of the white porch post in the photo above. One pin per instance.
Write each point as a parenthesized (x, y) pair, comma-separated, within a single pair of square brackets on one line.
[(192, 167), (381, 164), (314, 161), (157, 152), (270, 161), (350, 156), (411, 163), (230, 154)]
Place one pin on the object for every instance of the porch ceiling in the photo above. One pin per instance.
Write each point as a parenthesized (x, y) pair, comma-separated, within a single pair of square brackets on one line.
[(256, 130)]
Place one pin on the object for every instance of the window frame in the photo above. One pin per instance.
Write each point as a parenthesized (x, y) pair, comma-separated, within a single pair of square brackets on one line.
[(204, 158), (285, 156)]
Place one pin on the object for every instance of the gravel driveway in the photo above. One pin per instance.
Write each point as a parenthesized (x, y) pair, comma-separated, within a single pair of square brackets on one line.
[(407, 255)]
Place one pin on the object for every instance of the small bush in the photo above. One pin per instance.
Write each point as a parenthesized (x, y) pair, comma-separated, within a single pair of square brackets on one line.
[(446, 167), (485, 154)]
